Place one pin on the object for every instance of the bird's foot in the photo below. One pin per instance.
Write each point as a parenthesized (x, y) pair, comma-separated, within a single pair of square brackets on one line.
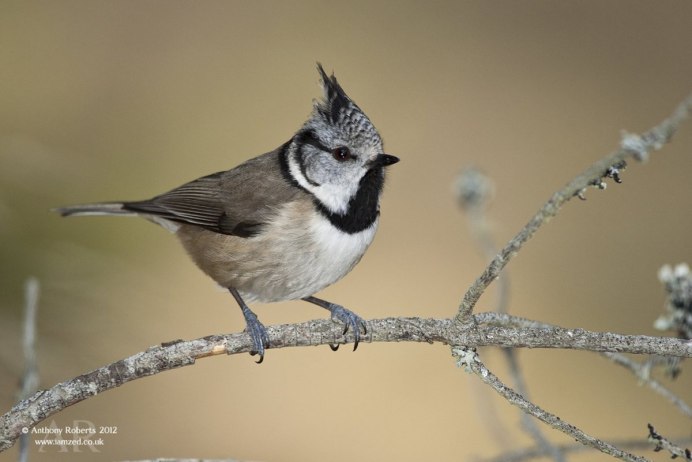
[(348, 317), (351, 320), (257, 332)]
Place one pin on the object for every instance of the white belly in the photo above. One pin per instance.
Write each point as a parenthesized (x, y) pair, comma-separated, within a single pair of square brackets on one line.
[(308, 259)]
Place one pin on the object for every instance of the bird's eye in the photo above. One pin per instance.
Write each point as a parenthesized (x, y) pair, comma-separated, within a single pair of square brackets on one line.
[(341, 154)]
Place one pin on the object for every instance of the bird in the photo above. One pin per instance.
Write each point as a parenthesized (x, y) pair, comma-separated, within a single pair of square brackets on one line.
[(286, 224)]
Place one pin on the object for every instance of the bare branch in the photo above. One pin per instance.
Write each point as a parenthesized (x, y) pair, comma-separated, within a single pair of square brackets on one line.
[(474, 191), (171, 355), (642, 372), (569, 448), (503, 319), (30, 377), (578, 339), (471, 361), (636, 146), (29, 383), (664, 444), (529, 424), (639, 370)]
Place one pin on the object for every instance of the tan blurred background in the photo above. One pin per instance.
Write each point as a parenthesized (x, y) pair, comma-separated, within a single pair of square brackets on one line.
[(123, 100)]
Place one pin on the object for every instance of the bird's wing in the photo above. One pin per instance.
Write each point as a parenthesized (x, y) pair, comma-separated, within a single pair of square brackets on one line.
[(237, 202)]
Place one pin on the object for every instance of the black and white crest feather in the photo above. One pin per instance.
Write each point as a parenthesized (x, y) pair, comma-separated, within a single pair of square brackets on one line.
[(335, 98), (342, 112)]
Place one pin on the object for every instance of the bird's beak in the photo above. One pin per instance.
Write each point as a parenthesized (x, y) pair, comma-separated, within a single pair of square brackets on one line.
[(385, 160)]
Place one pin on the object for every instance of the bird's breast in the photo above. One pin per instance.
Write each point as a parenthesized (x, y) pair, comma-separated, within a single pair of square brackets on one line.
[(309, 253), (339, 250)]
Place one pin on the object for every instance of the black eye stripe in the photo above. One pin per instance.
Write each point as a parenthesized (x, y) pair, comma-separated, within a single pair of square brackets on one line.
[(309, 137)]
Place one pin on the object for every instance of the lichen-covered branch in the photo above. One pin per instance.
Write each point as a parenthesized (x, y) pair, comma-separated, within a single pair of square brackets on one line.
[(639, 370), (172, 355), (635, 146), (664, 444), (470, 360), (522, 455)]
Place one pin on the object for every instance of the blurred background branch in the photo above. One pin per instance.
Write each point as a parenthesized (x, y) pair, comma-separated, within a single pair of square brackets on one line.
[(30, 379)]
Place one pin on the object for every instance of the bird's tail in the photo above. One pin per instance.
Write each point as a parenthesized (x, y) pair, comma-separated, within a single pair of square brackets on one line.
[(107, 208)]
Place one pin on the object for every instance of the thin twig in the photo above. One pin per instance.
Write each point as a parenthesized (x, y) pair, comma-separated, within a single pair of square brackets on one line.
[(29, 383), (636, 146), (528, 423), (663, 443), (522, 455), (471, 361), (642, 373), (639, 370), (474, 191)]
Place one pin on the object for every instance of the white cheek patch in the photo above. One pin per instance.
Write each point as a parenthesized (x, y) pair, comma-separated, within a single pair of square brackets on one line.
[(294, 170), (335, 197)]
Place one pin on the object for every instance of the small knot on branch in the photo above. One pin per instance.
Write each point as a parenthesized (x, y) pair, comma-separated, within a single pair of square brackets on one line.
[(637, 146), (465, 357), (661, 443), (613, 172)]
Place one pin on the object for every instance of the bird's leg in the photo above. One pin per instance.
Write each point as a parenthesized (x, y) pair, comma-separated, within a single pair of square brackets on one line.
[(339, 313), (256, 330)]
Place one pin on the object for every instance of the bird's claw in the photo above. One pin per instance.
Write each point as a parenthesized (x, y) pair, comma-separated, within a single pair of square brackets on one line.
[(351, 321), (258, 335)]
